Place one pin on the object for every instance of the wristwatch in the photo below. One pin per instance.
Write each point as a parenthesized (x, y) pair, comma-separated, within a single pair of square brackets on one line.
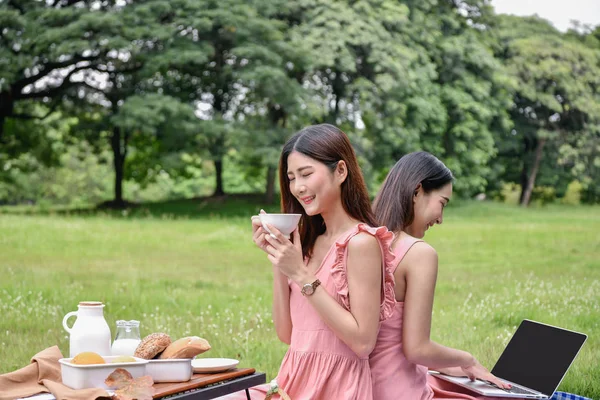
[(309, 288)]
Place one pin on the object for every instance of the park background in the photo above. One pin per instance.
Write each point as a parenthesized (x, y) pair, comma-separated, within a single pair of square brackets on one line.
[(137, 138)]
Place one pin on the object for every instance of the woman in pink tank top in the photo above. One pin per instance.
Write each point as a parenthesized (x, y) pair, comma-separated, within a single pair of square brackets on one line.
[(332, 282), (410, 201)]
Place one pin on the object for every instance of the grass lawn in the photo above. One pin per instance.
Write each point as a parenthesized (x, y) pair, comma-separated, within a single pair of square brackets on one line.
[(190, 268)]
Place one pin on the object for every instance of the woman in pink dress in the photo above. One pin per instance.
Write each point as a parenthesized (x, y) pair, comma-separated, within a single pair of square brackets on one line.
[(332, 282), (410, 201)]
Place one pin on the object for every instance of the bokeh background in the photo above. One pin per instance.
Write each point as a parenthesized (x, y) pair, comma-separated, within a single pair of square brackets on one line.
[(154, 100)]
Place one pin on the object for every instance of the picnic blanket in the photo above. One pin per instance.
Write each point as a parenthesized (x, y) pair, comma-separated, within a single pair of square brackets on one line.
[(567, 396), (43, 375)]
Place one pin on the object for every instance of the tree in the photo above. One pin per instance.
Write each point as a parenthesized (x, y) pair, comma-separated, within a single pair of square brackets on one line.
[(173, 123), (44, 44), (451, 98), (276, 103), (244, 44), (556, 98), (29, 145), (96, 55)]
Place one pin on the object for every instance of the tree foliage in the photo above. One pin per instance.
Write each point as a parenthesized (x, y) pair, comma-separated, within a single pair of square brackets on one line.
[(170, 88), (556, 106)]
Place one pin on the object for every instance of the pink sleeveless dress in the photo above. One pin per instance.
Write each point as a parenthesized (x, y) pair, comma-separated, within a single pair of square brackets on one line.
[(318, 365), (396, 378)]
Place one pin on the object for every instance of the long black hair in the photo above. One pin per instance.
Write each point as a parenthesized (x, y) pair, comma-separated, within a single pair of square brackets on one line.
[(327, 144), (393, 205)]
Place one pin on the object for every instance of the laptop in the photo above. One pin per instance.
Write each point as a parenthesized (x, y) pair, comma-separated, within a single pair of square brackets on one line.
[(534, 362)]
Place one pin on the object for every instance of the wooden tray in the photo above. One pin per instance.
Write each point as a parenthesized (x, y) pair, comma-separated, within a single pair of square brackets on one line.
[(199, 381)]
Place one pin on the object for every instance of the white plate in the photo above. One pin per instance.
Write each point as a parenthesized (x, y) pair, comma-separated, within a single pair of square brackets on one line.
[(208, 365)]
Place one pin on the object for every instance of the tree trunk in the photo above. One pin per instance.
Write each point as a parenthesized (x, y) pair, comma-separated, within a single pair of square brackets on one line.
[(278, 117), (270, 193), (524, 176), (523, 181), (338, 87), (534, 170), (7, 105), (2, 119), (219, 177), (119, 164)]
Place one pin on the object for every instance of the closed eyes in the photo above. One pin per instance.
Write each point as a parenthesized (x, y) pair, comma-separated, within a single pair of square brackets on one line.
[(291, 178)]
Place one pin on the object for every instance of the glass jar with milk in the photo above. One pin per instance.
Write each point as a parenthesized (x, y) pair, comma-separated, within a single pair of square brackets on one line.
[(127, 338)]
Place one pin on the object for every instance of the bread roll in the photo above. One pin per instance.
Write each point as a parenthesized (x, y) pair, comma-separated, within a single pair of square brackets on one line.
[(152, 345), (187, 347)]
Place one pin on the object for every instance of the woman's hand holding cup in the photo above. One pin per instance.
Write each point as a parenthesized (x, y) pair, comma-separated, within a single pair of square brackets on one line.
[(258, 232), (286, 255)]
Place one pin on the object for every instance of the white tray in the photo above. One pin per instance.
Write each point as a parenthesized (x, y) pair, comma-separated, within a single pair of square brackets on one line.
[(170, 370), (78, 376)]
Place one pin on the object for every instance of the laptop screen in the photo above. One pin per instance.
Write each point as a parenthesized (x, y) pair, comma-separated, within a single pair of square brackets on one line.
[(538, 356)]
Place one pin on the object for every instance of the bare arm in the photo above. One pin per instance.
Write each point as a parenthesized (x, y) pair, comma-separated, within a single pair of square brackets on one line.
[(421, 266), (358, 327), (452, 371), (281, 290), (281, 307)]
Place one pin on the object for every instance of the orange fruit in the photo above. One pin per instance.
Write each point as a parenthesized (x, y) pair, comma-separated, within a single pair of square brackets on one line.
[(123, 359), (87, 358)]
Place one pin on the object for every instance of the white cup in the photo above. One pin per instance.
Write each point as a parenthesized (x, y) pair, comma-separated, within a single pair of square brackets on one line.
[(286, 223)]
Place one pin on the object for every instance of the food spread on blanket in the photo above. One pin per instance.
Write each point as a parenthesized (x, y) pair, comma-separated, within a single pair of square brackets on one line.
[(154, 346), (159, 345)]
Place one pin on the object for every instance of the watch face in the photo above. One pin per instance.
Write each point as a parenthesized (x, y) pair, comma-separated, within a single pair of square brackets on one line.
[(308, 289)]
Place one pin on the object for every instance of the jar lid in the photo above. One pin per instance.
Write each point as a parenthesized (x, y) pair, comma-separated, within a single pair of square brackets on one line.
[(90, 304), (132, 323)]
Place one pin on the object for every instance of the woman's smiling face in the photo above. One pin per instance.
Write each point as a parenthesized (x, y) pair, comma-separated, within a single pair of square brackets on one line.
[(429, 209), (313, 183)]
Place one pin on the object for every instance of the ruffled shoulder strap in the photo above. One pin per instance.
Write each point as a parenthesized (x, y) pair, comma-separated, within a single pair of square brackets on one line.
[(339, 271)]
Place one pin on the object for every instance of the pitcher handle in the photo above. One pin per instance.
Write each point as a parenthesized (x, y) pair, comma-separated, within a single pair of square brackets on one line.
[(69, 315)]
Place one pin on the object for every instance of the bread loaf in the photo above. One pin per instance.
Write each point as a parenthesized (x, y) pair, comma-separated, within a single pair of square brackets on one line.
[(152, 345), (187, 347)]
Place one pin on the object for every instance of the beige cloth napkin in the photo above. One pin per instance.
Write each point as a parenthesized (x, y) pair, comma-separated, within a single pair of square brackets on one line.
[(43, 376)]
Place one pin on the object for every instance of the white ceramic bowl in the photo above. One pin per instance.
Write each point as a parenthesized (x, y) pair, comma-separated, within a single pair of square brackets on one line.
[(286, 223), (78, 376), (170, 370)]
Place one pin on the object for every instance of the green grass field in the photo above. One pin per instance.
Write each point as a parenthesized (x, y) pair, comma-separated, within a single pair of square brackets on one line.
[(190, 267)]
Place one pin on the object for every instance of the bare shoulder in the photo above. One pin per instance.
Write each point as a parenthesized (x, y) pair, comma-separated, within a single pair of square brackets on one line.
[(363, 242), (421, 255), (363, 253), (403, 236)]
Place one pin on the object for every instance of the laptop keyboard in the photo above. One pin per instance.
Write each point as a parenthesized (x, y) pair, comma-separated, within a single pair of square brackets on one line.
[(518, 390)]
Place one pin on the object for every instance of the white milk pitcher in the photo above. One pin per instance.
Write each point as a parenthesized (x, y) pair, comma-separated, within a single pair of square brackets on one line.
[(90, 332)]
